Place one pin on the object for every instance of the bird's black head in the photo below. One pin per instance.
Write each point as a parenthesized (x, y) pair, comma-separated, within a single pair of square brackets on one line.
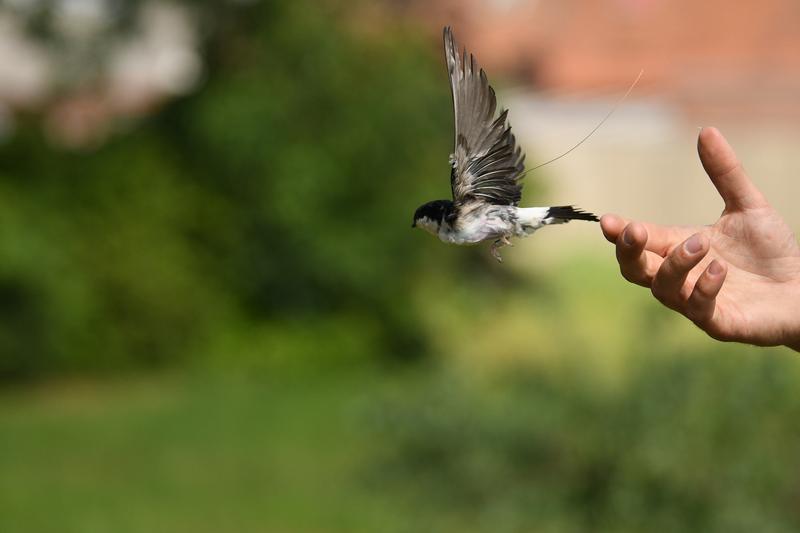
[(430, 216)]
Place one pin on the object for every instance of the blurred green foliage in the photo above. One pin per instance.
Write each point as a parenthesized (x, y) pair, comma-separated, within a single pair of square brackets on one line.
[(705, 442), (264, 217)]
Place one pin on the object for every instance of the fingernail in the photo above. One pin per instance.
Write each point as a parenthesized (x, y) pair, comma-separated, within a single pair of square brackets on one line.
[(627, 238), (715, 269), (693, 245)]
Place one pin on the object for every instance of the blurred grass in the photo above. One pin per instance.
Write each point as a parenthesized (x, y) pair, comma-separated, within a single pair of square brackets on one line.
[(170, 454), (701, 444)]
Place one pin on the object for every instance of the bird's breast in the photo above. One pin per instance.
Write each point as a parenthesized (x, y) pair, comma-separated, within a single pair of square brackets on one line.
[(478, 225)]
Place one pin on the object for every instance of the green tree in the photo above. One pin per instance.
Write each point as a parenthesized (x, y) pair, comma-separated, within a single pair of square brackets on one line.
[(269, 209)]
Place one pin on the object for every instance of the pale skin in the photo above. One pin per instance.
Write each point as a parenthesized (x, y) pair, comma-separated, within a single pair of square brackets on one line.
[(737, 279)]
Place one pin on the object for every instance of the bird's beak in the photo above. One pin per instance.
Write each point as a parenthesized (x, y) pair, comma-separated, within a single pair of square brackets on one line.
[(414, 224)]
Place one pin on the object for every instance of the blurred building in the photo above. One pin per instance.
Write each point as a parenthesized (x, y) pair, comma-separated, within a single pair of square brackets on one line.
[(90, 63), (697, 53)]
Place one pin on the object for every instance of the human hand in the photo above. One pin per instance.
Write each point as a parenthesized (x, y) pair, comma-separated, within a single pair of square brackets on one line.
[(738, 279)]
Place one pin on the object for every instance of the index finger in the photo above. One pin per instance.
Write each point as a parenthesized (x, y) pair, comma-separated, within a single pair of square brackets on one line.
[(636, 264), (660, 239)]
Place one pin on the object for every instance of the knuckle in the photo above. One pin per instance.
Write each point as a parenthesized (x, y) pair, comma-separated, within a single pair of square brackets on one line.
[(634, 274), (666, 296), (677, 263), (703, 291), (624, 253), (659, 293), (703, 317), (682, 259), (626, 273), (696, 314), (668, 270)]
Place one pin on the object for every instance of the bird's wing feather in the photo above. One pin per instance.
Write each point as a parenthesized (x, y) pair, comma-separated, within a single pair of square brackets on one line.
[(486, 162)]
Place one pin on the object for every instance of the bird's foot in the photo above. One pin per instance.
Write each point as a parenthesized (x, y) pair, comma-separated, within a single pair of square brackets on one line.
[(496, 253), (495, 249), (496, 245)]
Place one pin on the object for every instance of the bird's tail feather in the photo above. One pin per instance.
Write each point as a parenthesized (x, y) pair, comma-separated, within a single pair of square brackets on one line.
[(564, 213), (533, 218)]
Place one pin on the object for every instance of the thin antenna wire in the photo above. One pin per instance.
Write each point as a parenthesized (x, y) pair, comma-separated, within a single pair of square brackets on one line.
[(608, 115)]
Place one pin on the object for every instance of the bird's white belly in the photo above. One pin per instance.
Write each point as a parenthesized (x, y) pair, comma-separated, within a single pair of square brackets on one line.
[(491, 222)]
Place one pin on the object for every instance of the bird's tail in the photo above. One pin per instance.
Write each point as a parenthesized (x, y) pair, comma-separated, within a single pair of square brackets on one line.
[(533, 218), (565, 213)]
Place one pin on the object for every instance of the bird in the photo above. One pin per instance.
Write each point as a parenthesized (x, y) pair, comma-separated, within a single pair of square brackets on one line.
[(486, 167)]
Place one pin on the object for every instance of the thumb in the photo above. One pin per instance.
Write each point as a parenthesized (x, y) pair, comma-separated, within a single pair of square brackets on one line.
[(726, 172)]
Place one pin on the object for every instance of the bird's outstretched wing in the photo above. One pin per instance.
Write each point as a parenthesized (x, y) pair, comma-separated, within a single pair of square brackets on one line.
[(486, 162)]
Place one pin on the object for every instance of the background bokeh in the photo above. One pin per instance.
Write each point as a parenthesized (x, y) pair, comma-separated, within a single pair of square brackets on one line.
[(215, 317)]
